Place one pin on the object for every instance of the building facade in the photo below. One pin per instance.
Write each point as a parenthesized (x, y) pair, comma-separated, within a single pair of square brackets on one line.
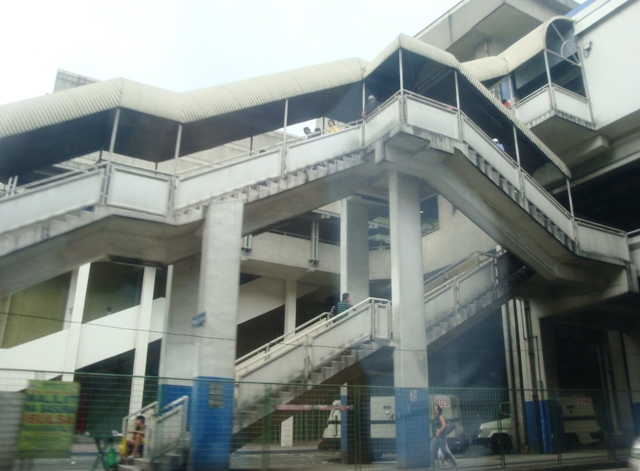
[(152, 233)]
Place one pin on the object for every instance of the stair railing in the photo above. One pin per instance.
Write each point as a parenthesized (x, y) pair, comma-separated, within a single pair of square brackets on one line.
[(170, 428), (453, 287), (296, 356)]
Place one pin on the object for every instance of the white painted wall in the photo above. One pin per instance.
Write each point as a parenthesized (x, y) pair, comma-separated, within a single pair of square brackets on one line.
[(263, 295), (456, 238), (612, 66), (99, 339)]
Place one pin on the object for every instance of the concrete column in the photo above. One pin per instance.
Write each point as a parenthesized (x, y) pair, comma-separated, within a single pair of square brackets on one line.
[(211, 414), (538, 353), (621, 404), (632, 354), (178, 350), (354, 249), (410, 356), (177, 358), (286, 432), (5, 303), (73, 318), (513, 354), (290, 298), (142, 339)]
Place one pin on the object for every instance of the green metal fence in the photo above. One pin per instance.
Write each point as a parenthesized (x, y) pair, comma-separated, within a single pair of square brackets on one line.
[(300, 426)]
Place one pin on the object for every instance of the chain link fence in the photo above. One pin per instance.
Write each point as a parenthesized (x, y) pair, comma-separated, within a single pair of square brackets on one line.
[(299, 426)]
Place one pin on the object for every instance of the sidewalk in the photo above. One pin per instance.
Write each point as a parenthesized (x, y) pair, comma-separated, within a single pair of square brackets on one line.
[(308, 458)]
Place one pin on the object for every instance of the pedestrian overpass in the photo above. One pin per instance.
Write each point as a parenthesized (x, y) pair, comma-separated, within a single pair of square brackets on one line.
[(89, 214), (56, 225)]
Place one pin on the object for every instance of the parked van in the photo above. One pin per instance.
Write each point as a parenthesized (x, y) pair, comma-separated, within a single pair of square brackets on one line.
[(383, 425), (578, 415)]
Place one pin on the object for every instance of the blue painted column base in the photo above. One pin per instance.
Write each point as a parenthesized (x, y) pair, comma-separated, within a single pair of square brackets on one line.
[(412, 428), (545, 426), (167, 393), (211, 422)]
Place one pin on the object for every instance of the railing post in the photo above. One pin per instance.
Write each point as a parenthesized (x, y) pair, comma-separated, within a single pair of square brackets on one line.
[(403, 117), (523, 196), (174, 180), (574, 223), (114, 133), (459, 112), (552, 98), (284, 139)]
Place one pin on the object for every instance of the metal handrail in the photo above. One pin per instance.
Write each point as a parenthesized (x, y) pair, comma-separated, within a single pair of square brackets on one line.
[(455, 265), (613, 230), (531, 96), (266, 350), (439, 104), (180, 405), (525, 174), (266, 347), (461, 276)]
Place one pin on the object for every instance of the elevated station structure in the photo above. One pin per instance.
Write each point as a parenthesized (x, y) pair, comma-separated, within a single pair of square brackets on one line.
[(101, 234)]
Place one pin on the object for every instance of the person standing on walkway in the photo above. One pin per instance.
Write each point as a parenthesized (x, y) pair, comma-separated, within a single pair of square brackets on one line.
[(332, 127), (371, 107), (345, 304), (440, 430)]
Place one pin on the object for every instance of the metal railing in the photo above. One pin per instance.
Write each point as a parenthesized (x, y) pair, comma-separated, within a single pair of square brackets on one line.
[(303, 335), (170, 428)]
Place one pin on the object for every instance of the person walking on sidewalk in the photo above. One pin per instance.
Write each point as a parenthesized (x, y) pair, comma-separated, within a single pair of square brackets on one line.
[(439, 440)]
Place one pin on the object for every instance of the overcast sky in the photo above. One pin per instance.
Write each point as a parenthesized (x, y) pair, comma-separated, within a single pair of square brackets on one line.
[(183, 45)]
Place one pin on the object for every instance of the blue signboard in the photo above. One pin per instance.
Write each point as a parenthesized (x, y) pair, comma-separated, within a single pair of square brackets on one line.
[(198, 320)]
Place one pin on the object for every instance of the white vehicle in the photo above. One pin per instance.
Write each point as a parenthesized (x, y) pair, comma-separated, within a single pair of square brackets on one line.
[(634, 456), (580, 426), (383, 425)]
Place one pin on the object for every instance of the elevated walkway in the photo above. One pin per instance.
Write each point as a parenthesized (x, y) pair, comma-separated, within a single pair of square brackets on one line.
[(117, 210)]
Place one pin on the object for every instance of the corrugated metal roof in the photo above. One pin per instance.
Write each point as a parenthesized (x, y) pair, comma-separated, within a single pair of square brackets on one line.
[(235, 96), (488, 67), (412, 45), (520, 52), (34, 113), (27, 115)]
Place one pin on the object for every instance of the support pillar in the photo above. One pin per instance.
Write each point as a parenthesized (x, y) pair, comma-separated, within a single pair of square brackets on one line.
[(354, 249), (515, 384), (621, 405), (211, 415), (290, 299), (631, 342), (142, 339), (178, 354), (5, 304), (286, 432), (543, 413), (410, 355), (73, 318)]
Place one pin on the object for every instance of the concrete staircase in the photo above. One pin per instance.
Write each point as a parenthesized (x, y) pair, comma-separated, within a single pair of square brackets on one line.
[(248, 420)]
